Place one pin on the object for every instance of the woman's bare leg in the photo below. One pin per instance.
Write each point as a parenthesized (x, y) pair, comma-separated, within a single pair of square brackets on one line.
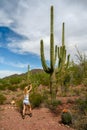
[(24, 107), (30, 110)]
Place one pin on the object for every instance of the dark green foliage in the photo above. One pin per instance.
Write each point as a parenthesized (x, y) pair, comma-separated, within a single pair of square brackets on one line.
[(39, 78), (35, 78), (80, 116), (2, 99), (76, 75), (56, 103), (79, 70), (80, 122), (66, 118), (36, 99), (3, 87), (82, 105), (53, 105), (3, 84), (19, 104), (12, 87), (15, 80), (22, 85)]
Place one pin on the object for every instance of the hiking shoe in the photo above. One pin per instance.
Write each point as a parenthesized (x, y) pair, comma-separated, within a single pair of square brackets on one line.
[(30, 114), (23, 116)]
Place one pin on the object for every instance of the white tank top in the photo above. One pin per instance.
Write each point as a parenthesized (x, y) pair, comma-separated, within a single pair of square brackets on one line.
[(26, 97)]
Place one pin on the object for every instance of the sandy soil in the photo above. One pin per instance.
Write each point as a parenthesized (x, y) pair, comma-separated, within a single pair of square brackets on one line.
[(42, 119)]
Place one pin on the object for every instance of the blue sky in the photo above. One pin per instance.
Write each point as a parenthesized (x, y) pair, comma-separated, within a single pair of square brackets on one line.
[(23, 23)]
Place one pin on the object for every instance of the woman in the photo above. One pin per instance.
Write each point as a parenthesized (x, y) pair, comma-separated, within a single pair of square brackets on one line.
[(26, 102)]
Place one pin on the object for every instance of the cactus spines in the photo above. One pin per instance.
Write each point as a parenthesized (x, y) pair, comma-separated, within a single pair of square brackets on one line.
[(53, 54)]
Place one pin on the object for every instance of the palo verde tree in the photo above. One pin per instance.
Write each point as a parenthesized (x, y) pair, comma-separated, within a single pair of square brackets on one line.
[(53, 55)]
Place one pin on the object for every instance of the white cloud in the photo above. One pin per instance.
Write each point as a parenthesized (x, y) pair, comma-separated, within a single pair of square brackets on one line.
[(13, 64), (4, 19), (32, 19), (4, 73)]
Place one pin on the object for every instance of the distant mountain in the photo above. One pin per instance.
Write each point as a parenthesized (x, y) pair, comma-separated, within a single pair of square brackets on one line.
[(33, 71), (37, 70), (7, 35)]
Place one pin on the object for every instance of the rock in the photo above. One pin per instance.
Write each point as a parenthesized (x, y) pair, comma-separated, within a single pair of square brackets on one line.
[(12, 102)]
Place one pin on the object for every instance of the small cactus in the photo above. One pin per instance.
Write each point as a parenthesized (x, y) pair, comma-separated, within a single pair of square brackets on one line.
[(28, 74), (66, 117)]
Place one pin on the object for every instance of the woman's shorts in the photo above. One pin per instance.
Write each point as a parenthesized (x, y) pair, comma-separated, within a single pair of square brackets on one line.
[(26, 102)]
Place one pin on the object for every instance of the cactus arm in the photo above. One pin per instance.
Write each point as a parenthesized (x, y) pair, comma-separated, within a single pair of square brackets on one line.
[(55, 53), (68, 59), (45, 67)]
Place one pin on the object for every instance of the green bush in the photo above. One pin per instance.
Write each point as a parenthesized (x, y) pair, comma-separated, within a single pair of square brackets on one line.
[(15, 80), (36, 99), (22, 86), (80, 123), (66, 118), (2, 99), (2, 87), (56, 103), (39, 78), (52, 105), (12, 88), (82, 105), (19, 104)]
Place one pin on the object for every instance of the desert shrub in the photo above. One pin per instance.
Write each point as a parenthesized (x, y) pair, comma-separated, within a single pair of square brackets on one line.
[(12, 87), (4, 84), (22, 86), (82, 105), (52, 105), (36, 99), (2, 87), (19, 104), (2, 99), (76, 75), (46, 94), (39, 78), (70, 101), (80, 123), (66, 117), (15, 80), (79, 70), (55, 103)]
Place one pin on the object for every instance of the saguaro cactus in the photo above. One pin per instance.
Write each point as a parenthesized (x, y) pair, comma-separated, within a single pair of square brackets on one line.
[(63, 61), (53, 54), (28, 74), (62, 53)]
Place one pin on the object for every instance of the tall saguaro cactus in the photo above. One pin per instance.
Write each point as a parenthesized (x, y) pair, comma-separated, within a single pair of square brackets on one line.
[(53, 53), (63, 61), (62, 53)]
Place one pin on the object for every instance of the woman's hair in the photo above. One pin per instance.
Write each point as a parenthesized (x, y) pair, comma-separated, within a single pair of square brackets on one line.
[(25, 90)]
